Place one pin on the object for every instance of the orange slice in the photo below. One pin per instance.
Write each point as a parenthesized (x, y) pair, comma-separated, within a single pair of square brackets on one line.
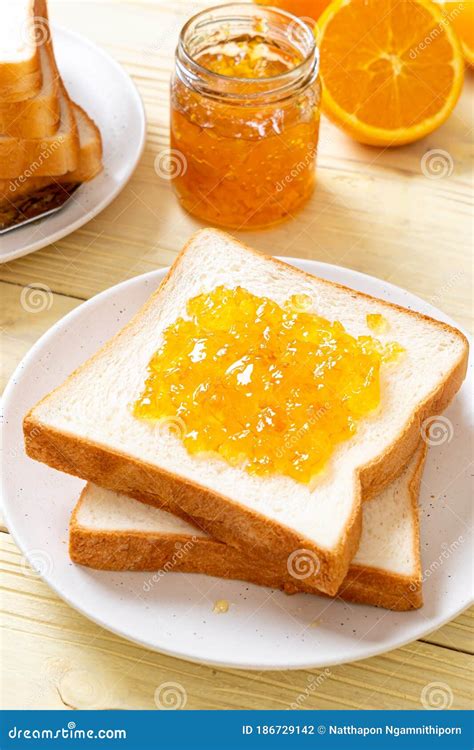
[(461, 18), (309, 10), (392, 70)]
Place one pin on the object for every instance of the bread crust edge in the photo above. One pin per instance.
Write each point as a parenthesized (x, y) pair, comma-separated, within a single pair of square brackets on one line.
[(147, 552)]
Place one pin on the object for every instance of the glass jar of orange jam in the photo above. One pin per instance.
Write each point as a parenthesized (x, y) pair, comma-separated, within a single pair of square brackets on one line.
[(245, 102)]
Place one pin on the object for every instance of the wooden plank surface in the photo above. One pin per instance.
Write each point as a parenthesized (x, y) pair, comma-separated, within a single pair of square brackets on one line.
[(55, 658), (418, 236)]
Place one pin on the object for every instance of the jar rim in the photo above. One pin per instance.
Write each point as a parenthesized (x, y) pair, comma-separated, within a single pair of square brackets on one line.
[(272, 84)]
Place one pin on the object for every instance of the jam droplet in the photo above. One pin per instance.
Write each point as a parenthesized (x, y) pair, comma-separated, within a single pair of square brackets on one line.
[(377, 323)]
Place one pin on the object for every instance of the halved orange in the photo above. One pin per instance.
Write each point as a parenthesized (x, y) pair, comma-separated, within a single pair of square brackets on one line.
[(392, 70), (461, 17), (309, 10)]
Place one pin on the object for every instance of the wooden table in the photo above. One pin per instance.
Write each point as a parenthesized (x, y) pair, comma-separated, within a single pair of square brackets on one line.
[(374, 211)]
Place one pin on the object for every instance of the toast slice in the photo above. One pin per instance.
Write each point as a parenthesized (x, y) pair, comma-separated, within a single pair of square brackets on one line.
[(20, 70), (51, 156), (90, 144), (87, 427), (90, 161), (38, 116), (31, 197), (109, 531)]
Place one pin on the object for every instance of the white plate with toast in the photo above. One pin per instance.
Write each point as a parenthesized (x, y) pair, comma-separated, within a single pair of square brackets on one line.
[(207, 619), (121, 119)]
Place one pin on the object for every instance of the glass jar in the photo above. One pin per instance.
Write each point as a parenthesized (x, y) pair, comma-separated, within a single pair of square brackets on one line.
[(245, 100)]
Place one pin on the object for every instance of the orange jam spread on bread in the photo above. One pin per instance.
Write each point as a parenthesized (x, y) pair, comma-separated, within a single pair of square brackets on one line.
[(271, 388)]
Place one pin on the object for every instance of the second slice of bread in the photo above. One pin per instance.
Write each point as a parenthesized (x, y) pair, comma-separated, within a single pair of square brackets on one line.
[(86, 426), (109, 531)]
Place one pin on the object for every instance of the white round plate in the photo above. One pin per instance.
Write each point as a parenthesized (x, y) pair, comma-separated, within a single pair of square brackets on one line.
[(263, 629), (101, 86)]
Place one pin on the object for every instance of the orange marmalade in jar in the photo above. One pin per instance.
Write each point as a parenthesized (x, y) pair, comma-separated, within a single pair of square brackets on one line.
[(245, 102)]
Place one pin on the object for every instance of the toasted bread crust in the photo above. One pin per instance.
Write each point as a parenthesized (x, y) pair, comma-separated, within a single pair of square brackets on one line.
[(49, 155), (233, 523), (35, 117), (228, 520), (32, 196), (383, 470), (13, 193), (20, 81), (139, 551), (144, 551), (389, 590), (41, 157), (90, 162)]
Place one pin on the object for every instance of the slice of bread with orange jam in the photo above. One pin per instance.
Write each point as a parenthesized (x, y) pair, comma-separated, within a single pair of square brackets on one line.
[(88, 425)]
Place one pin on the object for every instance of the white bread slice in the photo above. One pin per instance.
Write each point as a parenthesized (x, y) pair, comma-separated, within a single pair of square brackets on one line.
[(90, 161), (50, 156), (86, 426), (90, 144), (38, 116), (110, 531), (20, 71), (27, 198)]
